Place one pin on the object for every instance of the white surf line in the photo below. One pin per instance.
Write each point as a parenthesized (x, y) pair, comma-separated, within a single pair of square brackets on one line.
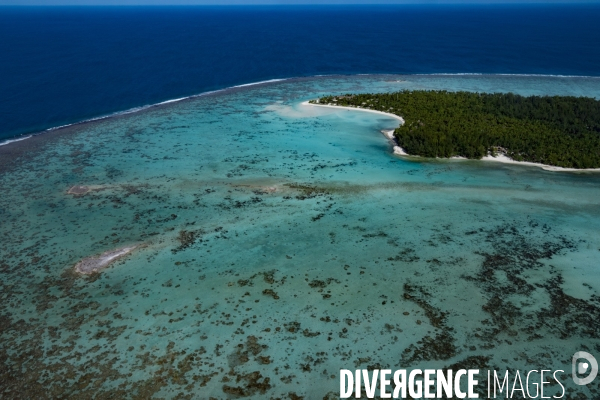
[(9, 141), (140, 108), (261, 82), (493, 74)]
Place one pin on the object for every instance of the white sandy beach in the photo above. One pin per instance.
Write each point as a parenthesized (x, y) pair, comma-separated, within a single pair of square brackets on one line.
[(388, 133), (504, 159), (306, 103), (397, 149)]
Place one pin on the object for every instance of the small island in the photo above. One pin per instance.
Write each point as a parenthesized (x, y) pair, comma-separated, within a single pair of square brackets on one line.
[(561, 131)]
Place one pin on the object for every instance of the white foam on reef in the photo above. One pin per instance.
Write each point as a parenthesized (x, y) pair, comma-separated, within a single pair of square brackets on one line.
[(260, 82), (551, 76), (116, 114), (171, 101), (525, 75), (9, 141), (89, 265), (128, 111)]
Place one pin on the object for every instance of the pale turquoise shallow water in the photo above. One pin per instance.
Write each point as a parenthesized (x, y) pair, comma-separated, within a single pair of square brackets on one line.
[(356, 259)]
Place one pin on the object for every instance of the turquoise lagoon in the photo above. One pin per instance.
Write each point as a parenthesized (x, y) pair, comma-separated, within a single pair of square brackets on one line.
[(281, 243)]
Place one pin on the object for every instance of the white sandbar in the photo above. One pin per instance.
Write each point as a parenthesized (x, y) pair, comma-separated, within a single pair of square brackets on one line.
[(89, 265), (399, 118)]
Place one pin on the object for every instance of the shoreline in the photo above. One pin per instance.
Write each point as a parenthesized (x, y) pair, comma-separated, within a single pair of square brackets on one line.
[(5, 143), (500, 158), (399, 118), (24, 136), (387, 133)]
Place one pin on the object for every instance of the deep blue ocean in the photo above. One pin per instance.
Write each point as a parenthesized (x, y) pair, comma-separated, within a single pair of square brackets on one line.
[(62, 65)]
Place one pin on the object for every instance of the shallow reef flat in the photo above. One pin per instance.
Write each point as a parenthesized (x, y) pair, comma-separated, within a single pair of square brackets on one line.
[(282, 245)]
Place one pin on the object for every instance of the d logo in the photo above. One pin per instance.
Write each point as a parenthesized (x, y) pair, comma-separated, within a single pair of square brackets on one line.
[(590, 365)]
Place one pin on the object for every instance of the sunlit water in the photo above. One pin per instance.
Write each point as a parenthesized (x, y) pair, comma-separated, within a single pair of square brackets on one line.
[(307, 247)]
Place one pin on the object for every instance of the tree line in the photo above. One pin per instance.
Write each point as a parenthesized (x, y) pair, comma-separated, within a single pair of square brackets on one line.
[(556, 130)]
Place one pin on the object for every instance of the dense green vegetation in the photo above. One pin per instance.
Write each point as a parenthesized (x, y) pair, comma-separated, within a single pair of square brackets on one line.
[(556, 130)]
